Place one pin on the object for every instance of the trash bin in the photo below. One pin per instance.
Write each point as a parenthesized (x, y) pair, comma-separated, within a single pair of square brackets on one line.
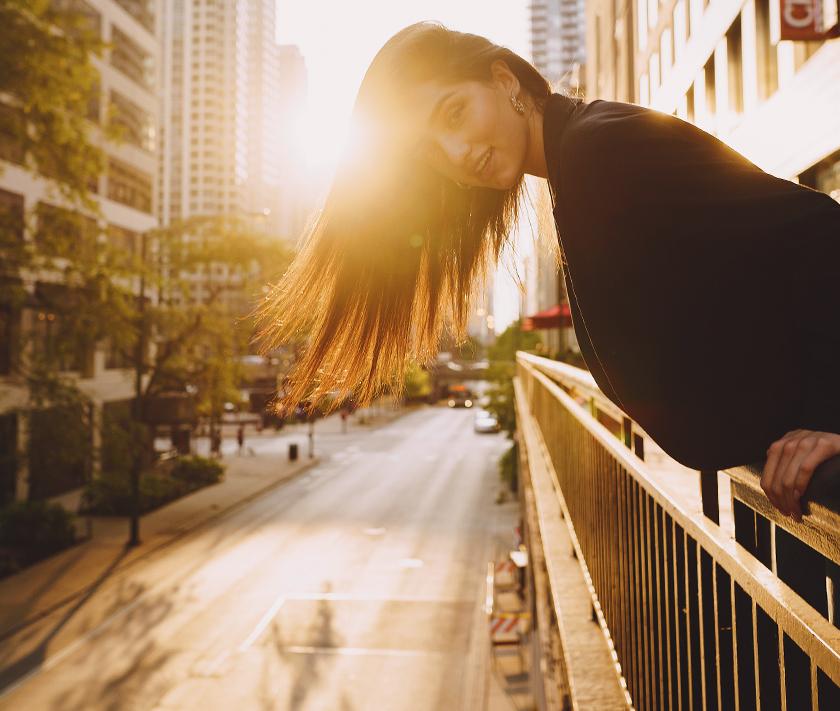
[(293, 451)]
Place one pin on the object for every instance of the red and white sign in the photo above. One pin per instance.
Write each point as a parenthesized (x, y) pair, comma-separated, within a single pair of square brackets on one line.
[(803, 20), (504, 629)]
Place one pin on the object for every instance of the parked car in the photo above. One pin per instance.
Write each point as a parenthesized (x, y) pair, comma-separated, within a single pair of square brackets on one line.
[(485, 422)]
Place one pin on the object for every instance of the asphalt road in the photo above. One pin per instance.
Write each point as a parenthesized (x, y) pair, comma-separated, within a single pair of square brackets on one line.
[(356, 587)]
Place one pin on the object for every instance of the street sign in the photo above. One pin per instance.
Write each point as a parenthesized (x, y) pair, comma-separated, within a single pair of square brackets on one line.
[(804, 20)]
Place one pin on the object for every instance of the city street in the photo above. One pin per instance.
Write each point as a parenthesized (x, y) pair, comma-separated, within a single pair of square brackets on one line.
[(356, 586)]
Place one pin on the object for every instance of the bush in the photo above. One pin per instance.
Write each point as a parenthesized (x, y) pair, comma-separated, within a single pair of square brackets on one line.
[(32, 530), (199, 471), (111, 496), (509, 468)]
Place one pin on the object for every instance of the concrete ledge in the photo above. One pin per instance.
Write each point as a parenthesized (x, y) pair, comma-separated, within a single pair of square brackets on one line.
[(591, 668)]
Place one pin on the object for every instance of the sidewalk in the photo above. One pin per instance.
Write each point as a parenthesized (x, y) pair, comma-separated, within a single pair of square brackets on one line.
[(52, 583)]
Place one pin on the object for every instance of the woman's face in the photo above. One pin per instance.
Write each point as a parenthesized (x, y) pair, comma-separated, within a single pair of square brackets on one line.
[(469, 131)]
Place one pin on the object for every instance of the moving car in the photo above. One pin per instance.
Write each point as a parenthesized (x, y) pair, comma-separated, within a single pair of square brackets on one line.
[(459, 396), (485, 422)]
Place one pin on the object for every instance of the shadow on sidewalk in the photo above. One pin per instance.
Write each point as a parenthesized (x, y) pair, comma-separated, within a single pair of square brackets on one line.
[(32, 661)]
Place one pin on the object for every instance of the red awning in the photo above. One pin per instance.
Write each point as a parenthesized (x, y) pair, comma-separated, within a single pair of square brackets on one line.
[(559, 316)]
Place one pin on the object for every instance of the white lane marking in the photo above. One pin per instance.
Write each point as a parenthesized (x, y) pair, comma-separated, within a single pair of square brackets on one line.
[(359, 597), (359, 651), (210, 668), (262, 624), (411, 563)]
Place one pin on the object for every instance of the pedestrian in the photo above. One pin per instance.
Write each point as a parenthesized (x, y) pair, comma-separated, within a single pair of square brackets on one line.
[(215, 443), (240, 438), (703, 291)]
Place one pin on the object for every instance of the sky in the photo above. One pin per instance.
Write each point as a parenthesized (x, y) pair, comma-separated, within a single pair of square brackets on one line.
[(339, 38)]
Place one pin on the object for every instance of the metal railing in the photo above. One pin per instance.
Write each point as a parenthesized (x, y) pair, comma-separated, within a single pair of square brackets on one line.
[(692, 618)]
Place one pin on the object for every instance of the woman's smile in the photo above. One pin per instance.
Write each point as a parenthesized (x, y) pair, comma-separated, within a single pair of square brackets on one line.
[(483, 168)]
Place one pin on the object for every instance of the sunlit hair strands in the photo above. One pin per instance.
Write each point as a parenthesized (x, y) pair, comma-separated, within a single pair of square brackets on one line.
[(397, 250)]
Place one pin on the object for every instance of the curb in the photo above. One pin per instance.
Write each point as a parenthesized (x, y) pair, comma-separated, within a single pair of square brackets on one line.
[(176, 535)]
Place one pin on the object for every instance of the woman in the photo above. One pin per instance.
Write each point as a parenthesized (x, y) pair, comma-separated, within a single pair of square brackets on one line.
[(701, 288)]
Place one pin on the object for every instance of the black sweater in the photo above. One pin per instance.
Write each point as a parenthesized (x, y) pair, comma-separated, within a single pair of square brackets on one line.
[(704, 292)]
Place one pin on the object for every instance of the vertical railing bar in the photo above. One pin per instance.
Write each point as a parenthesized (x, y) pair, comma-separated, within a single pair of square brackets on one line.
[(756, 662), (624, 574), (667, 524), (688, 637), (716, 614), (782, 675), (659, 564), (637, 604), (645, 607), (701, 628), (653, 604), (633, 679), (644, 616), (736, 678), (678, 613), (815, 692)]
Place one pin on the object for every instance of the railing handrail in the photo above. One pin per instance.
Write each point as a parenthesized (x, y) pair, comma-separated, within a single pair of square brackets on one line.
[(782, 583), (809, 629), (822, 495)]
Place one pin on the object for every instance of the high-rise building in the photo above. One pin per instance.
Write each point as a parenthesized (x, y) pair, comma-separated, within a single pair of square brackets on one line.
[(558, 41), (222, 111), (32, 465), (725, 67)]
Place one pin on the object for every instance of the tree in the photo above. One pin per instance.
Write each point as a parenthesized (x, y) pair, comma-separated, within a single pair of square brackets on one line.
[(502, 368), (49, 92)]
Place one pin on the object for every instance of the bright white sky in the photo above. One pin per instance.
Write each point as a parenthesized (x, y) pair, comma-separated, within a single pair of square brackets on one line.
[(338, 39)]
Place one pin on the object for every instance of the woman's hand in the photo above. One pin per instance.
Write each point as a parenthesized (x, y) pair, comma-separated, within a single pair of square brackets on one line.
[(790, 465)]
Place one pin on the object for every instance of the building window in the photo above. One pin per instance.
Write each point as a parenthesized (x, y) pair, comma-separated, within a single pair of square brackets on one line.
[(642, 24), (644, 90), (12, 126), (735, 67), (653, 70), (824, 176), (94, 112), (689, 103), (679, 21), (130, 58), (666, 50), (129, 186), (140, 10), (711, 103), (11, 219), (767, 61), (57, 339), (134, 123), (122, 245), (65, 233)]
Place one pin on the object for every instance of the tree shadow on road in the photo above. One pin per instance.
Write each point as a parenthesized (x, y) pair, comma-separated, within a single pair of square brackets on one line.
[(33, 661)]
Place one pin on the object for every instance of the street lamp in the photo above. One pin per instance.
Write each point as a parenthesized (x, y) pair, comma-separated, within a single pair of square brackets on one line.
[(139, 367)]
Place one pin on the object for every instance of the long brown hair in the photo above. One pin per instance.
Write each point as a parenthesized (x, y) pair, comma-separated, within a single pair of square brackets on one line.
[(397, 250)]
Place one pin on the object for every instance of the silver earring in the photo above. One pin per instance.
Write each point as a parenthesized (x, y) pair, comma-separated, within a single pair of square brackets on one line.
[(518, 106)]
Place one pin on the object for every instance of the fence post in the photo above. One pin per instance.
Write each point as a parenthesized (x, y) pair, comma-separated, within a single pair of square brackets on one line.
[(709, 494)]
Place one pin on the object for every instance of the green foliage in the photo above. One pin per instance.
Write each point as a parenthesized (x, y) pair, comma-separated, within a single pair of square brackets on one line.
[(200, 471), (509, 467), (52, 88), (32, 530), (417, 384), (511, 340), (500, 395), (501, 371), (111, 495)]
